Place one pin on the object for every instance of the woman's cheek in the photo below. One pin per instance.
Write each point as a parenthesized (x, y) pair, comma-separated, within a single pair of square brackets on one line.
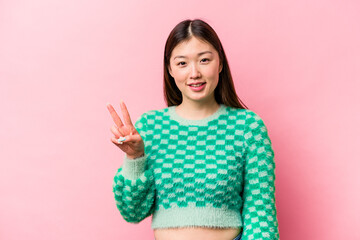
[(181, 76)]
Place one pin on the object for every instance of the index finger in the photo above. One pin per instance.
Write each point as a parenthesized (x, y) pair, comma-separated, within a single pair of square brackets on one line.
[(114, 115)]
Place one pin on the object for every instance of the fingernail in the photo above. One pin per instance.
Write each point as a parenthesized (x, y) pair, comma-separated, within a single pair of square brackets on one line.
[(121, 139)]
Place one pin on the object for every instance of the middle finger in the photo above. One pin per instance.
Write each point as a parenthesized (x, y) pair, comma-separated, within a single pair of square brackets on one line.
[(125, 113)]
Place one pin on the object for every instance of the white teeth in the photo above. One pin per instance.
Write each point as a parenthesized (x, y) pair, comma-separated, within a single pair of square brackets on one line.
[(196, 85)]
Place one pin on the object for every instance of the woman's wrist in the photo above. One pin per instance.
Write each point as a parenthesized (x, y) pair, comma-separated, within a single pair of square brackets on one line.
[(133, 157)]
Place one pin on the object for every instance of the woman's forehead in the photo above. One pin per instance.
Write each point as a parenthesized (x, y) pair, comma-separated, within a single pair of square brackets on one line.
[(192, 47)]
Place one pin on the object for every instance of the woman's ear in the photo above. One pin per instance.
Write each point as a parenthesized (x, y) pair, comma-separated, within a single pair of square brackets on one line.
[(169, 69), (220, 67)]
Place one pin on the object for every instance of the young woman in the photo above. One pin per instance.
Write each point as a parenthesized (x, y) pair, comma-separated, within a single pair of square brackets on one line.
[(203, 167)]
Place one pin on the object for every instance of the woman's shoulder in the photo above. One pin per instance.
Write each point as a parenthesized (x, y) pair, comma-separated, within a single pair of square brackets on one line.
[(247, 115), (240, 111), (148, 114)]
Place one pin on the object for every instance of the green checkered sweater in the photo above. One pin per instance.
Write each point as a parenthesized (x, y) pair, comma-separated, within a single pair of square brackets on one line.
[(217, 172)]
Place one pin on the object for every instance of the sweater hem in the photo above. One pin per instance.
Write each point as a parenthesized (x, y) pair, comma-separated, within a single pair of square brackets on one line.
[(196, 216)]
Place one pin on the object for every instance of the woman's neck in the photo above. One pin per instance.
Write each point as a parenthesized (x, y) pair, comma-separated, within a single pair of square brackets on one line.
[(196, 110)]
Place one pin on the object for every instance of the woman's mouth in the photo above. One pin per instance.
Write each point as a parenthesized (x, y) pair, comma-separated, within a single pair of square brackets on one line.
[(197, 87)]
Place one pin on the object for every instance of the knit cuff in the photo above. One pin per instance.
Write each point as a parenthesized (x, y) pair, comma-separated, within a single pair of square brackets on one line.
[(133, 168)]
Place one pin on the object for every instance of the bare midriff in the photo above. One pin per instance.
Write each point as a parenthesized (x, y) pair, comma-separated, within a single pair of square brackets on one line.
[(196, 233)]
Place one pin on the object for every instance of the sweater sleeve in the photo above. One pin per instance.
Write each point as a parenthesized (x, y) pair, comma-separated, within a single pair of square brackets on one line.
[(134, 185), (259, 210)]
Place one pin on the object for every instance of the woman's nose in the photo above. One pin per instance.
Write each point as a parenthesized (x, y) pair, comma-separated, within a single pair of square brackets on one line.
[(195, 73)]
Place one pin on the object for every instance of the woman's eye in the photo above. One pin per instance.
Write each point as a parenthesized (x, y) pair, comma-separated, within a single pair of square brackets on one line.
[(183, 63)]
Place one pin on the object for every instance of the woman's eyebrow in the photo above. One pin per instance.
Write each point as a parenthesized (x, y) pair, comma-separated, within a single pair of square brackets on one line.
[(198, 54)]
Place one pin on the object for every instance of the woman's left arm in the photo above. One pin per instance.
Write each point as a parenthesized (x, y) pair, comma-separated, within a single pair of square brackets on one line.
[(259, 210)]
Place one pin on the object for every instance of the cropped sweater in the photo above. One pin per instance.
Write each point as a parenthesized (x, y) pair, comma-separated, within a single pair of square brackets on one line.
[(216, 172)]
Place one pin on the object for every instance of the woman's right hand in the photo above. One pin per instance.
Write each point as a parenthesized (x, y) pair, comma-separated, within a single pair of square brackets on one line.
[(133, 145)]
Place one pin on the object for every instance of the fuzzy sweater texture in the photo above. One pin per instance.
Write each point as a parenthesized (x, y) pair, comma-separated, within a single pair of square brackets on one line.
[(216, 172)]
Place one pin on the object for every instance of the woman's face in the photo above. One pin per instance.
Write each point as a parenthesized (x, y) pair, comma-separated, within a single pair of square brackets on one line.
[(194, 62)]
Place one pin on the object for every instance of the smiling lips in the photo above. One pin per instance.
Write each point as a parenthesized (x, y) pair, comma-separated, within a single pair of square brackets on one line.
[(198, 86), (195, 84)]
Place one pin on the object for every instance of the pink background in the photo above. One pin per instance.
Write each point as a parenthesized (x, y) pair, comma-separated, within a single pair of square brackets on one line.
[(295, 64)]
